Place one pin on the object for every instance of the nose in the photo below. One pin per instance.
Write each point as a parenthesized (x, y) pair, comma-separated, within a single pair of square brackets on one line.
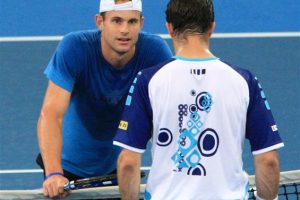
[(124, 28)]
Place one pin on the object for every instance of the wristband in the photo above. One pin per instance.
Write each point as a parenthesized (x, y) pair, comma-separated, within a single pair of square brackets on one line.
[(53, 174), (259, 198)]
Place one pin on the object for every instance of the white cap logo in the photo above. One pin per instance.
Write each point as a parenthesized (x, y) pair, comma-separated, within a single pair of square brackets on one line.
[(110, 5)]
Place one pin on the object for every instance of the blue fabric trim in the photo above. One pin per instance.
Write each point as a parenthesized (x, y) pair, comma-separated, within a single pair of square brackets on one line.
[(246, 196), (195, 59), (147, 195)]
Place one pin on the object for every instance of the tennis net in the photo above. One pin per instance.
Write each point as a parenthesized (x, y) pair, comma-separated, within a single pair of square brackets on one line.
[(289, 189), (289, 186)]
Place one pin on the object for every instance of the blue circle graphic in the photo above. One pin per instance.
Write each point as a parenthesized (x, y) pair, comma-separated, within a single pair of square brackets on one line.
[(199, 170), (204, 101), (193, 108), (208, 142), (193, 92), (164, 137)]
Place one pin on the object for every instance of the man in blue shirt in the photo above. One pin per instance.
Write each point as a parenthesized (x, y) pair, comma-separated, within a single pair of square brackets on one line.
[(89, 77)]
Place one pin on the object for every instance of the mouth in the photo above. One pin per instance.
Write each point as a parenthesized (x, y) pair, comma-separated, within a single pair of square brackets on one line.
[(123, 40)]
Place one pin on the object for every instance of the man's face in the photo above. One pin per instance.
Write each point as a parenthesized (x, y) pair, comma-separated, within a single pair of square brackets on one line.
[(120, 30)]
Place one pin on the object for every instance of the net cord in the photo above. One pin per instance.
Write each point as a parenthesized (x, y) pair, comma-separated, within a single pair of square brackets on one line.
[(113, 191)]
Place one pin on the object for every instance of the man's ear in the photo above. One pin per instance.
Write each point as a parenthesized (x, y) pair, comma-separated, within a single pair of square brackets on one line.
[(170, 29), (99, 21), (211, 28), (142, 22)]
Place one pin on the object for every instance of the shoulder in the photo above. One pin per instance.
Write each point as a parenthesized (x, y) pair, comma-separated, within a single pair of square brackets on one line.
[(144, 36), (79, 42), (247, 75), (251, 80), (153, 48), (82, 36), (151, 39), (149, 73)]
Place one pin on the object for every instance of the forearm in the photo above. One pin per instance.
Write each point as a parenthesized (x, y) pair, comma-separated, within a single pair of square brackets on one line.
[(129, 177), (49, 130), (50, 142), (129, 184), (267, 175), (267, 182)]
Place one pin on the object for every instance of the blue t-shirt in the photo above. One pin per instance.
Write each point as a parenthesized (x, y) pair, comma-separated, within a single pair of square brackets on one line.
[(197, 113), (98, 93)]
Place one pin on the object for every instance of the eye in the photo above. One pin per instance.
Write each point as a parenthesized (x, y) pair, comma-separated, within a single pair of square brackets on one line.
[(133, 21), (116, 20)]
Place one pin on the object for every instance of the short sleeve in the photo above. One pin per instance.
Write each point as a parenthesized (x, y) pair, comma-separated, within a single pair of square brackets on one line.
[(261, 129), (65, 64), (136, 123)]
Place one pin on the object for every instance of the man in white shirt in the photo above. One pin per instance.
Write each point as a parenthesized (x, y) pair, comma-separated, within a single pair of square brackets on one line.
[(197, 110)]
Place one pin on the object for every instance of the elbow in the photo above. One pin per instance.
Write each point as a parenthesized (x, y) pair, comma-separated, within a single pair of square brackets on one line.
[(48, 118), (269, 160), (128, 163), (44, 115), (272, 163), (49, 113)]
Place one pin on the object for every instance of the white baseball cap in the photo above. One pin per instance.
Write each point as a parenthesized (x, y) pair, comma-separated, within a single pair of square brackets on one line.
[(110, 5)]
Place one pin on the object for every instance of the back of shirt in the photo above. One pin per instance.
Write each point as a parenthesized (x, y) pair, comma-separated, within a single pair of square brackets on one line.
[(202, 110)]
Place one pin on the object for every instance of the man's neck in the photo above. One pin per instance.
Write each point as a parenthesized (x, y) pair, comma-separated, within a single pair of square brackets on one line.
[(116, 59), (193, 46)]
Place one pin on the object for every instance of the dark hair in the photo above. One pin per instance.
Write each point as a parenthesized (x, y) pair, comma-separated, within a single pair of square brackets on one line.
[(190, 16), (103, 15)]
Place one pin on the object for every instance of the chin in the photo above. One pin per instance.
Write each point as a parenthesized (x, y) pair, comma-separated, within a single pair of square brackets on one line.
[(123, 50)]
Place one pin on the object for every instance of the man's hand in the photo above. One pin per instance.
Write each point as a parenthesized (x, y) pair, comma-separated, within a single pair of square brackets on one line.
[(54, 187)]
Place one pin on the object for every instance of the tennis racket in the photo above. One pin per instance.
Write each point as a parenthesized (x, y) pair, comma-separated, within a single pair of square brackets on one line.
[(98, 181)]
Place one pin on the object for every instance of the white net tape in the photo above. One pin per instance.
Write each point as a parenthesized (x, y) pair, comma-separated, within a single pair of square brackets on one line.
[(113, 191)]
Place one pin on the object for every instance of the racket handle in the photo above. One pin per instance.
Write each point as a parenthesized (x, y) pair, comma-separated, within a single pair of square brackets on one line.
[(69, 186), (100, 181), (73, 186)]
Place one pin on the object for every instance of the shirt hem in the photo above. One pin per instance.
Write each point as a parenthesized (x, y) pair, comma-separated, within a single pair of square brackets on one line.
[(125, 146), (276, 146)]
